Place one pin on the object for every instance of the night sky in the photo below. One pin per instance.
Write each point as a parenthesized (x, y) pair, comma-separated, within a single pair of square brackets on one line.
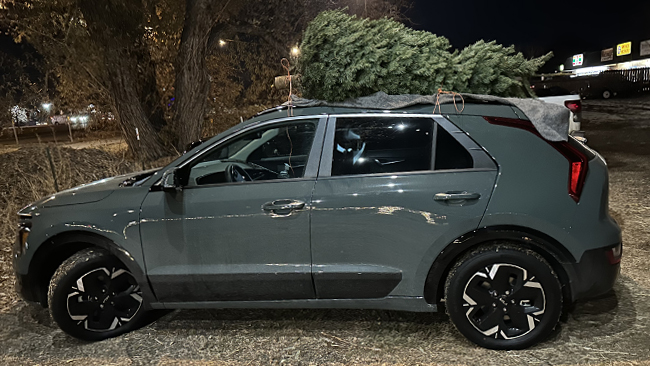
[(534, 26)]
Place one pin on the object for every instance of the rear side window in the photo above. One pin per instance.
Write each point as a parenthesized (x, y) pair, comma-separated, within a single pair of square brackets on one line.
[(450, 154), (370, 145)]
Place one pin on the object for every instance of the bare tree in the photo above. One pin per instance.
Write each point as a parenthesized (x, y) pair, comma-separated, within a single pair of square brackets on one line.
[(157, 62)]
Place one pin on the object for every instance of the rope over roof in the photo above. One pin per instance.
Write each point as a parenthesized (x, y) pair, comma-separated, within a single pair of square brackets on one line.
[(550, 120)]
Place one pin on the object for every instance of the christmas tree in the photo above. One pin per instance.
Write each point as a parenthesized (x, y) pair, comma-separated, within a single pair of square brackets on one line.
[(345, 57)]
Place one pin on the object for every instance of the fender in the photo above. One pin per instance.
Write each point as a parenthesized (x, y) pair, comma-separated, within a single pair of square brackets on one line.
[(555, 253), (55, 250)]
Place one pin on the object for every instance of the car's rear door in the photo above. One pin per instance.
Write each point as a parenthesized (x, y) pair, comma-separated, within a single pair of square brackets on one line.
[(392, 192), (223, 239)]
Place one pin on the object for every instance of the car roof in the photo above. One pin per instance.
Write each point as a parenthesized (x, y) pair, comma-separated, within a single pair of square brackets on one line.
[(482, 109)]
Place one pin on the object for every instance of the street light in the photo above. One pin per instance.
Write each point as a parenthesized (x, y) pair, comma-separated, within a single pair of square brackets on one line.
[(47, 106), (295, 51), (222, 42)]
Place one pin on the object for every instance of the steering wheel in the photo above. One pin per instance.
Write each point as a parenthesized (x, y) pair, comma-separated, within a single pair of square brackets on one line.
[(235, 173)]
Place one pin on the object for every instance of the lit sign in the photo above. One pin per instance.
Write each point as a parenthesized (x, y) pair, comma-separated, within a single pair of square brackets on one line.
[(607, 55), (578, 59), (645, 48), (624, 49)]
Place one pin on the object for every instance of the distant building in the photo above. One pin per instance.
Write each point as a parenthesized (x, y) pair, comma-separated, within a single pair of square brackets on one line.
[(623, 68), (623, 56)]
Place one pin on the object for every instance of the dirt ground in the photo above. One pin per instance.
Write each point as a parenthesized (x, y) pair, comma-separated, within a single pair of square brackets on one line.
[(609, 331)]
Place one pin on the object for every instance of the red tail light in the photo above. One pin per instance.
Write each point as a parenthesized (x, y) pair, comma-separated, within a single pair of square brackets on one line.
[(578, 165), (578, 161), (574, 106)]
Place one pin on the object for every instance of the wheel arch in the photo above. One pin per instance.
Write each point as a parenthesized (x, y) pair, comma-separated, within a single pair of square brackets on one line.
[(550, 249), (51, 254)]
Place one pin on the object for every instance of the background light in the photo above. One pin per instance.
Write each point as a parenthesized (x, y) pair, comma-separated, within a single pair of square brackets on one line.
[(295, 51)]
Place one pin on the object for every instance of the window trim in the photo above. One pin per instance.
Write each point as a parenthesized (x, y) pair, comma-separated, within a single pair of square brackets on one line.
[(417, 172), (311, 168), (482, 161)]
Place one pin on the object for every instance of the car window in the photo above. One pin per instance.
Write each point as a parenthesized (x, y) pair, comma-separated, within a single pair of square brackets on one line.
[(267, 153), (450, 154), (368, 145)]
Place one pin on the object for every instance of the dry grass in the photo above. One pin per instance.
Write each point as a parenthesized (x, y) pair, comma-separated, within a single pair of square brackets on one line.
[(26, 176), (612, 330)]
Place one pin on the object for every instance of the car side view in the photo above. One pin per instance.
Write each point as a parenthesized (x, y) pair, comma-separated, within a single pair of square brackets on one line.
[(475, 213)]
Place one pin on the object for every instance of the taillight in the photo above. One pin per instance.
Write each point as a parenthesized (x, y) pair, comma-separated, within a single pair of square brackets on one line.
[(578, 161), (574, 106), (578, 165)]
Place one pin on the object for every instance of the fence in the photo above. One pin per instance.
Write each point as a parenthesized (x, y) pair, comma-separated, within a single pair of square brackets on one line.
[(49, 133), (640, 75)]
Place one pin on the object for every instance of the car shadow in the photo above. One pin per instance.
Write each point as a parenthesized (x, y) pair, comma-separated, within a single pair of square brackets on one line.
[(606, 317)]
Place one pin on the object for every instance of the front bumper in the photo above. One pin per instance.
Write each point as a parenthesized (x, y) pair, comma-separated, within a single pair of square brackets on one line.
[(25, 289), (595, 274), (24, 285)]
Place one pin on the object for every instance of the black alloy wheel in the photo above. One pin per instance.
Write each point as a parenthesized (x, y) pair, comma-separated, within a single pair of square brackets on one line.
[(503, 297), (93, 297)]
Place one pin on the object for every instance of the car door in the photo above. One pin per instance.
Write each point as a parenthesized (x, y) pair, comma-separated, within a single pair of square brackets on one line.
[(239, 227), (389, 199)]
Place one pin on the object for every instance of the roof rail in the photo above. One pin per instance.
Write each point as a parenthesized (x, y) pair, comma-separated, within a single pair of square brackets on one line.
[(274, 109)]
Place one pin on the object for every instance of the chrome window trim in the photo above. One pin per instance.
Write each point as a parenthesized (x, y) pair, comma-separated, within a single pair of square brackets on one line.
[(480, 157)]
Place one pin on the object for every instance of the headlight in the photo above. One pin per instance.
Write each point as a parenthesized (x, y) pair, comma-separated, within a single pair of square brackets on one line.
[(24, 228)]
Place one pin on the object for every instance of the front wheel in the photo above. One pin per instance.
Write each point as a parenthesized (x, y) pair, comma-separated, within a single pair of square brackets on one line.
[(503, 297), (92, 296)]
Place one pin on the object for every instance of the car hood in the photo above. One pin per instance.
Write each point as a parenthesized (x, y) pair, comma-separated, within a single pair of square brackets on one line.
[(88, 193)]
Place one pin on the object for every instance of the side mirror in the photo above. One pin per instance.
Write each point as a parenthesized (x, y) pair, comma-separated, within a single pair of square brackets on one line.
[(171, 181)]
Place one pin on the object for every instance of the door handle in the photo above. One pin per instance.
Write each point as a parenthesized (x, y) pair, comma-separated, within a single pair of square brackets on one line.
[(453, 196), (283, 205)]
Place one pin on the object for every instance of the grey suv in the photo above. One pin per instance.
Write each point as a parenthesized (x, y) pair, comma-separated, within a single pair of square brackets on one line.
[(333, 207)]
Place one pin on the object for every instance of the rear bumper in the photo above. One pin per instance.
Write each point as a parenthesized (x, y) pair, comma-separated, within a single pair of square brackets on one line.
[(595, 275)]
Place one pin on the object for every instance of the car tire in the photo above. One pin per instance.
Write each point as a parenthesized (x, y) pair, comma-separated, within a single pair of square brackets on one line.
[(607, 94), (92, 296), (503, 297)]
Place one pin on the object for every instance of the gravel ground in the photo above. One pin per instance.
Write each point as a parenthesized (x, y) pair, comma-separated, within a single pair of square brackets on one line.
[(612, 330)]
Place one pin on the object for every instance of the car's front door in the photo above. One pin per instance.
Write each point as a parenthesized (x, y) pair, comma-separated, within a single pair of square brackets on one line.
[(392, 192), (239, 228)]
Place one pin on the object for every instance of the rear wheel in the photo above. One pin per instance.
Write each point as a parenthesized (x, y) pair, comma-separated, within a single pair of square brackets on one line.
[(92, 296), (503, 297), (607, 94)]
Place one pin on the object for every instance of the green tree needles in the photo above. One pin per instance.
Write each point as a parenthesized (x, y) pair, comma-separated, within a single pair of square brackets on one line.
[(345, 57)]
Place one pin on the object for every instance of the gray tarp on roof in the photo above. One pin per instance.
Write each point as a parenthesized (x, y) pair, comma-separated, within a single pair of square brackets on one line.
[(550, 120)]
